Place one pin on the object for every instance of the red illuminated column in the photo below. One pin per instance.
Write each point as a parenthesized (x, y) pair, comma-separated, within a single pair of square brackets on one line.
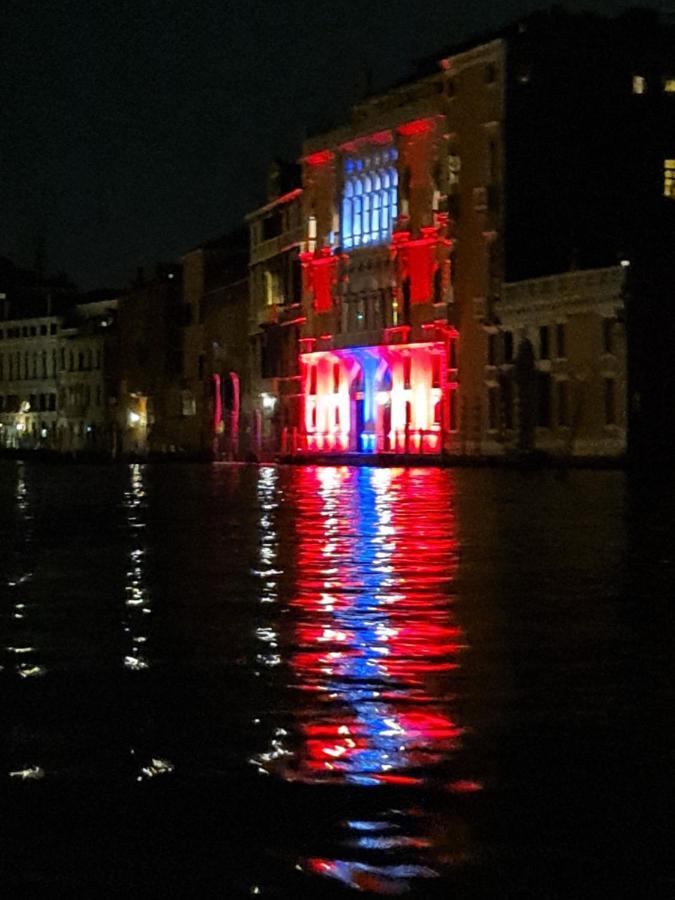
[(217, 405), (320, 277)]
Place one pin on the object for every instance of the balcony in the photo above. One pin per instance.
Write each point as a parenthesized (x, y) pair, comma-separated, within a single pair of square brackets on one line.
[(276, 245)]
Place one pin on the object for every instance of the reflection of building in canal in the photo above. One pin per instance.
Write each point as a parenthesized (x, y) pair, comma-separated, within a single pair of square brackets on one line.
[(374, 663)]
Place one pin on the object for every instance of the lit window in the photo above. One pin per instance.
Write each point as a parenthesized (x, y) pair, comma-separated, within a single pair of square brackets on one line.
[(369, 199), (669, 178), (669, 85), (639, 84), (271, 280)]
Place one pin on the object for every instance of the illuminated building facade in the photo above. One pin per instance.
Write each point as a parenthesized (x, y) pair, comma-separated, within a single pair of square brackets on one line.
[(386, 298), (422, 213)]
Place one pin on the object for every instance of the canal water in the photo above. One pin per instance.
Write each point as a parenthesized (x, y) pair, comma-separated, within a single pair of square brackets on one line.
[(302, 681)]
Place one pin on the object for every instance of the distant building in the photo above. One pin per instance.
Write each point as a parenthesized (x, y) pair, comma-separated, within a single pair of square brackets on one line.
[(276, 316), (556, 366), (87, 378), (38, 316), (226, 364), (149, 363), (214, 367), (55, 370), (30, 368)]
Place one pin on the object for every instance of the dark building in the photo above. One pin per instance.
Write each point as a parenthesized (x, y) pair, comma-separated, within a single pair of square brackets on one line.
[(214, 364), (149, 363), (589, 128)]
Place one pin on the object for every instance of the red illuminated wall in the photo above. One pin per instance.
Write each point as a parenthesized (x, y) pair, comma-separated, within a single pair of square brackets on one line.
[(320, 276), (395, 395)]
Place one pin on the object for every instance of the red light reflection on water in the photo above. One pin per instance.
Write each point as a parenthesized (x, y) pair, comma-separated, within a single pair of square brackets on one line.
[(375, 649)]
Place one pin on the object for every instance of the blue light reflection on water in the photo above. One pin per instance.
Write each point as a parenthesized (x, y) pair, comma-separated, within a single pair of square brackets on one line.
[(372, 659), (509, 631)]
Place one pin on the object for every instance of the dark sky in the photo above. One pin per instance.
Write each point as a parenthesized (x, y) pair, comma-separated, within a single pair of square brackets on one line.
[(131, 130)]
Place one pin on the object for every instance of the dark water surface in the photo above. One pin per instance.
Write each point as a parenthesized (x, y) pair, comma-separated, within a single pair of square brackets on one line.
[(228, 681)]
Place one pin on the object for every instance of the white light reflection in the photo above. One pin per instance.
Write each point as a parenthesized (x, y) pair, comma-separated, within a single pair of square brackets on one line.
[(156, 767), (24, 538), (30, 773), (138, 601), (268, 570)]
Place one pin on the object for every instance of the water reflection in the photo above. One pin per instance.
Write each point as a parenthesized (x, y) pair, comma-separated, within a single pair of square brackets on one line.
[(373, 657), (137, 602), (26, 665), (23, 651)]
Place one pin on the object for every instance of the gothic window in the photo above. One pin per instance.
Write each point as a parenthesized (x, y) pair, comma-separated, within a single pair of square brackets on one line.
[(369, 199)]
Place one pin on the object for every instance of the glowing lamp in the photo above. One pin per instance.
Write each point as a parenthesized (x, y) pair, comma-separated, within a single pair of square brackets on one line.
[(269, 401), (134, 418)]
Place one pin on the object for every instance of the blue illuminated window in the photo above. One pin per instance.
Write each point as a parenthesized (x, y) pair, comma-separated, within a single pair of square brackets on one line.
[(369, 199)]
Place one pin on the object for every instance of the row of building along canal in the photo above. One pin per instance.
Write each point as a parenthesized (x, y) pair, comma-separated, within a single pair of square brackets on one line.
[(452, 272)]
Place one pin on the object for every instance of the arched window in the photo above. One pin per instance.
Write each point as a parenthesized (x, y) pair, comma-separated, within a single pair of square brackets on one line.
[(375, 213), (369, 199), (347, 218), (357, 221), (393, 194), (366, 237)]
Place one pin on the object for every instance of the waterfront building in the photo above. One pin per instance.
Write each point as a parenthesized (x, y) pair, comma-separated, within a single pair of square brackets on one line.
[(87, 377), (444, 189), (149, 362), (29, 380), (226, 360), (275, 315), (31, 317), (214, 357), (556, 366), (379, 349)]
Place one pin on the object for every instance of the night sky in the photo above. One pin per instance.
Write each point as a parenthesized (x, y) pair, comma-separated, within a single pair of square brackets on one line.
[(132, 130)]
